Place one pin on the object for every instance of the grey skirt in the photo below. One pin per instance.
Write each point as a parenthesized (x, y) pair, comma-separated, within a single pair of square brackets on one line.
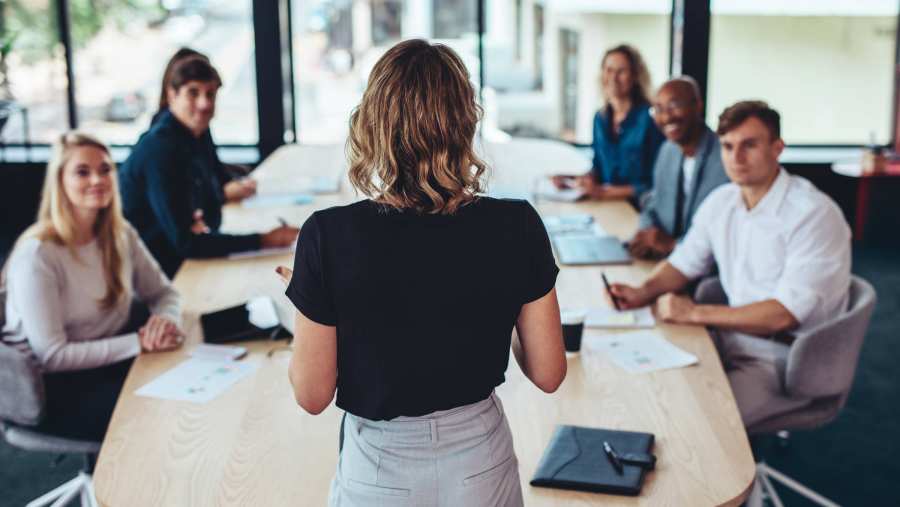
[(463, 456)]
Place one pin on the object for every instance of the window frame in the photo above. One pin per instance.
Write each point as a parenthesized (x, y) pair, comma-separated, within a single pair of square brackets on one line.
[(689, 54)]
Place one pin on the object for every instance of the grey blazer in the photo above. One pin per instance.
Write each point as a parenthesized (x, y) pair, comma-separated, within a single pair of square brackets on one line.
[(660, 208)]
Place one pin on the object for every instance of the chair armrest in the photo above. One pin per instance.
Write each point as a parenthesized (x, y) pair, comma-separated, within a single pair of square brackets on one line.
[(21, 387)]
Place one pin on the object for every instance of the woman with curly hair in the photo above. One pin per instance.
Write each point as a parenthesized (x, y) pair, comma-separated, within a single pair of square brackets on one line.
[(407, 300)]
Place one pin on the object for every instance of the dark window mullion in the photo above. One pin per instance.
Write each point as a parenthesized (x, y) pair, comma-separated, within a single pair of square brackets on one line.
[(481, 73), (270, 81), (895, 141), (690, 33), (64, 25)]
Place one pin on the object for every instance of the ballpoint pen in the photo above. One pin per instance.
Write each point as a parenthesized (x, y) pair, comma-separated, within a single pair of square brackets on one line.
[(274, 334), (609, 291), (613, 457)]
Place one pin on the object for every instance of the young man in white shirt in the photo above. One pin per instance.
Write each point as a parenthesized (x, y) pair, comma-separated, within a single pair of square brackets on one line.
[(783, 252)]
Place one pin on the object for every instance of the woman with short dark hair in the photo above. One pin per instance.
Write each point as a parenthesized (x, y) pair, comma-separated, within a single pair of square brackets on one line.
[(172, 190), (406, 301)]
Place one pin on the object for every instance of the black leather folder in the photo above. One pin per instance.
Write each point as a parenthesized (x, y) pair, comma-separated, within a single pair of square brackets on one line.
[(233, 324), (575, 459)]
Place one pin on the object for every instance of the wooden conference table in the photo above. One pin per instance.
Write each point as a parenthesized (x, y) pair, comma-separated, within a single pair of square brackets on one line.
[(254, 446)]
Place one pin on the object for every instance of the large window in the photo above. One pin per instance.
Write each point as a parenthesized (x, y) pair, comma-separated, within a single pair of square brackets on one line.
[(32, 73), (542, 59), (826, 66), (337, 42), (121, 48)]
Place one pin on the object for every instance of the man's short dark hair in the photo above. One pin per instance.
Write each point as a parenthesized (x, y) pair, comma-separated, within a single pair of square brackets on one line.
[(732, 117)]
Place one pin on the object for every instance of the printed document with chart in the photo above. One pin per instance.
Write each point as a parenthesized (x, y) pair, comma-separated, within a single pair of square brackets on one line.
[(641, 351), (197, 380)]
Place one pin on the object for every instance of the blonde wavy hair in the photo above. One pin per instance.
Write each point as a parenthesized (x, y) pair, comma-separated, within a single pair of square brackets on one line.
[(411, 137), (641, 90), (56, 222)]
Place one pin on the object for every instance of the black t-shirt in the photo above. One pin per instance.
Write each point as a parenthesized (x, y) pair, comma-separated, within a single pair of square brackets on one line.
[(424, 305)]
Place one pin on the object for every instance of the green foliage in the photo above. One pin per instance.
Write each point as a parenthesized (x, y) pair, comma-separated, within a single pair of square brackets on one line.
[(34, 23)]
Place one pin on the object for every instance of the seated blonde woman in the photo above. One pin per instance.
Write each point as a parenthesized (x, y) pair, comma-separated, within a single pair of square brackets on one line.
[(71, 280), (413, 294)]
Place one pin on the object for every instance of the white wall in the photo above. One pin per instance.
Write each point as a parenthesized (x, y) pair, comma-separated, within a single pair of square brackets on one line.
[(598, 32), (829, 77)]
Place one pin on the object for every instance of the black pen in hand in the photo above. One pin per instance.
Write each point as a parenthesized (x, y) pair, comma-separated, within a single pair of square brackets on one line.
[(609, 291)]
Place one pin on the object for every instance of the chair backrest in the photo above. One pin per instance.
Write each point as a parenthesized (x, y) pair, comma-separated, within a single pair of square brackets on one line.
[(21, 383), (709, 291), (822, 361)]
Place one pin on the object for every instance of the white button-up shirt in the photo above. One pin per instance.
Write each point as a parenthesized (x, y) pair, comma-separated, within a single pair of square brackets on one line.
[(793, 247)]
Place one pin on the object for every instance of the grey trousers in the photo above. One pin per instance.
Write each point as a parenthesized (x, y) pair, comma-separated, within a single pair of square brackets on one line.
[(755, 369), (458, 457)]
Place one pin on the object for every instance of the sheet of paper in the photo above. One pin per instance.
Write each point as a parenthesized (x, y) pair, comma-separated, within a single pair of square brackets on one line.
[(263, 252), (197, 380), (576, 223), (610, 318), (271, 200), (545, 189), (261, 312), (509, 193), (641, 352), (298, 185), (218, 352)]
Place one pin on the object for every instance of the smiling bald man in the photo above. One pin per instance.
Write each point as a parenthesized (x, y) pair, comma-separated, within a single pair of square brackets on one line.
[(688, 168)]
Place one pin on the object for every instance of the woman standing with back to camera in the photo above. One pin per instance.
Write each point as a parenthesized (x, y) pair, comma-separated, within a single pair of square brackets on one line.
[(407, 300)]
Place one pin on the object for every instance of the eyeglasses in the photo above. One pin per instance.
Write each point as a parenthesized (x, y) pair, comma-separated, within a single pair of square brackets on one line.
[(671, 107)]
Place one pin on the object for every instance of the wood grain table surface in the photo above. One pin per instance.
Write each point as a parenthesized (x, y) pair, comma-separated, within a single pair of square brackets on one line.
[(254, 446)]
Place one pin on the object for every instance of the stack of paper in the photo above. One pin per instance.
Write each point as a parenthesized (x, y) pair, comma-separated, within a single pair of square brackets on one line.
[(608, 318), (262, 252), (267, 200), (641, 352), (574, 224), (545, 189), (299, 185)]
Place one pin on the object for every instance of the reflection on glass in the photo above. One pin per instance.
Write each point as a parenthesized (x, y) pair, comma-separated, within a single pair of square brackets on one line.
[(121, 49), (542, 59), (827, 67), (32, 74), (337, 42)]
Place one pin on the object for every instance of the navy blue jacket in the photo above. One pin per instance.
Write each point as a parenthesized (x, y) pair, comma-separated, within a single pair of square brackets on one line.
[(628, 159), (169, 174)]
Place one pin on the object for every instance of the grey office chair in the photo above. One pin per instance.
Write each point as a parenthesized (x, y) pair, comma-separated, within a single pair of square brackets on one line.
[(820, 365), (22, 407)]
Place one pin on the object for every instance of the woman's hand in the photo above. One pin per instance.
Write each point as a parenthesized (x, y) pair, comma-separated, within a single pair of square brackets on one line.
[(279, 237), (199, 226), (160, 334), (563, 181), (285, 274), (242, 188)]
